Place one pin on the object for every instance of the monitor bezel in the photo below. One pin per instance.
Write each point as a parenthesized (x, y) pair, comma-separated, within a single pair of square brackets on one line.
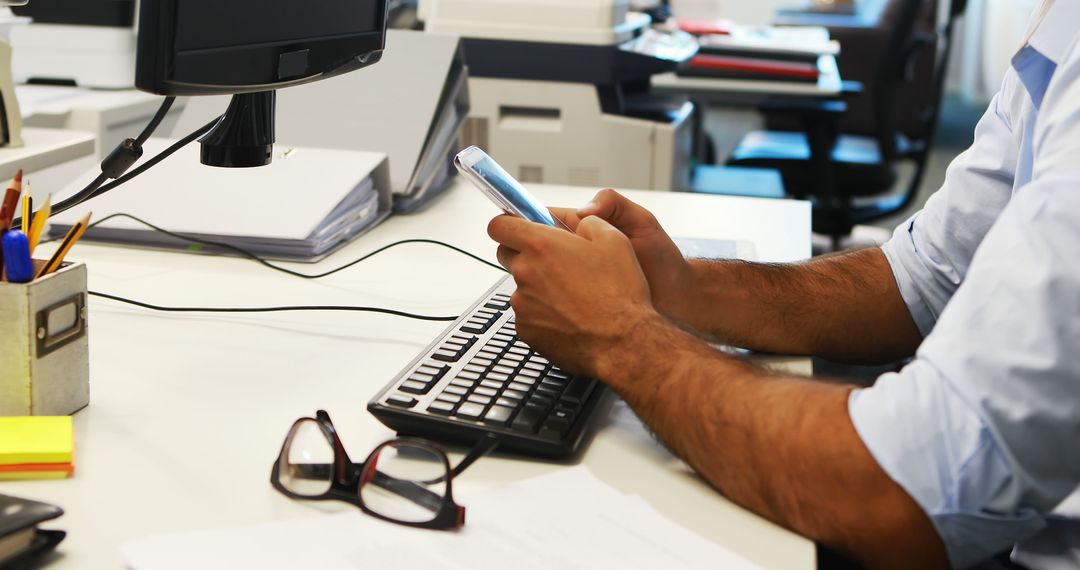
[(222, 71)]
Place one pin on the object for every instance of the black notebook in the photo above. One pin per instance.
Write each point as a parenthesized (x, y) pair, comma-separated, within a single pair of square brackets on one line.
[(20, 538)]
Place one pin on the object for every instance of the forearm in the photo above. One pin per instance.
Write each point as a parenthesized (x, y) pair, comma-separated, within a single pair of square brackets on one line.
[(845, 307), (782, 447)]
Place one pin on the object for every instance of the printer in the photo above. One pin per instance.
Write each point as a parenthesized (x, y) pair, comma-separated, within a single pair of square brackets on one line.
[(560, 90), (89, 43)]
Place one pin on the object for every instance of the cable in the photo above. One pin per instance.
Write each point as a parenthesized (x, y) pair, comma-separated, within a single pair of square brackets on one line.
[(254, 257), (156, 159), (266, 263), (271, 309), (123, 157)]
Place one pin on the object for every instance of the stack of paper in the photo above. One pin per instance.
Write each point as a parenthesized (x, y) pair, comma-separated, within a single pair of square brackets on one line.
[(36, 447), (567, 520), (303, 205)]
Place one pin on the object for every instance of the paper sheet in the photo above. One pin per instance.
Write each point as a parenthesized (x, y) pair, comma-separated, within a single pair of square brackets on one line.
[(567, 520)]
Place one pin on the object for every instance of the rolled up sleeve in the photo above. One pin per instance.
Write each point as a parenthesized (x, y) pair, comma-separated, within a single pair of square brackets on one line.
[(982, 429)]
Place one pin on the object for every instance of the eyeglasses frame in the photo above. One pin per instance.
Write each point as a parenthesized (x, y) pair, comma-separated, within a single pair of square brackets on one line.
[(348, 477)]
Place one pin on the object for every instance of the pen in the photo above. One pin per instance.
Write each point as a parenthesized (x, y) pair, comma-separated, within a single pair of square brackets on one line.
[(7, 207), (38, 225), (11, 199), (27, 209), (20, 268), (72, 236)]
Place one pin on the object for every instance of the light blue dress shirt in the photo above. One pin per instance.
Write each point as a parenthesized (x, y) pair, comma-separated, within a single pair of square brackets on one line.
[(982, 428)]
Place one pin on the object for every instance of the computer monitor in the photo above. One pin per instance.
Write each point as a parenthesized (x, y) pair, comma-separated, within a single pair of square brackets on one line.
[(249, 48)]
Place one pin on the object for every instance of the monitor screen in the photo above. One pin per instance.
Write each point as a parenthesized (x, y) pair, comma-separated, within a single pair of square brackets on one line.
[(203, 47)]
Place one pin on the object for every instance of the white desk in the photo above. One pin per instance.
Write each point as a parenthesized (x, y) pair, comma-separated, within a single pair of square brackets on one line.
[(188, 413)]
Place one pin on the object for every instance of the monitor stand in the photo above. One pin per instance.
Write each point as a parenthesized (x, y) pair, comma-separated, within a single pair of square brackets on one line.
[(244, 137)]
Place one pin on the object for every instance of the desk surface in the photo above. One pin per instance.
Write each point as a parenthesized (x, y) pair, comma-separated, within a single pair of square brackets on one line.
[(188, 412), (42, 149)]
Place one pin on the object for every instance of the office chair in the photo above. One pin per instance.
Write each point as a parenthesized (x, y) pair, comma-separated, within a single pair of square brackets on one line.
[(851, 177)]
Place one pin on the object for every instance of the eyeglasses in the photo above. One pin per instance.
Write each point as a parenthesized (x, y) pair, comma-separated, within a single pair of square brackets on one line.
[(404, 480)]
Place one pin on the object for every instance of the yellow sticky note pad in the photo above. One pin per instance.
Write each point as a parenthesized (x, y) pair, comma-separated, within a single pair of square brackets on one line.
[(36, 439)]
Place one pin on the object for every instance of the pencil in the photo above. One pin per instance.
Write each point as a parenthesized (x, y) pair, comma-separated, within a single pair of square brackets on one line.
[(38, 225), (72, 236), (27, 209)]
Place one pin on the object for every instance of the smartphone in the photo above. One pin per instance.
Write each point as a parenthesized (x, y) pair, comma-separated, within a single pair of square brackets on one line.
[(507, 193)]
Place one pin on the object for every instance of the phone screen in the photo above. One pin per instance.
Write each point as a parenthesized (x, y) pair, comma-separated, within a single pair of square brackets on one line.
[(518, 199)]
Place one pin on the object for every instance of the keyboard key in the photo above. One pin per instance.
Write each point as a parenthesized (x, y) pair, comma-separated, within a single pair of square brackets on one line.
[(515, 394), (557, 374), (485, 391), (513, 357), (529, 419), (441, 408), (535, 366), (554, 428), (414, 387), (477, 399), (498, 377), (530, 373), (469, 376), (578, 390), (486, 353), (456, 390), (497, 344), (546, 391), (436, 371), (401, 400), (504, 337), (481, 361), (463, 382), (552, 384), (498, 415), (523, 379), (475, 368), (493, 384), (508, 402), (519, 350), (501, 369), (499, 302), (518, 386), (452, 398), (542, 400), (453, 350), (470, 410)]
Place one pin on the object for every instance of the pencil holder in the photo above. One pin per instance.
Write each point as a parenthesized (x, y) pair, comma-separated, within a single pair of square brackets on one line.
[(44, 349)]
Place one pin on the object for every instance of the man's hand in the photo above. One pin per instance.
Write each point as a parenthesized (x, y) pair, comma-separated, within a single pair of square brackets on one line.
[(666, 269), (578, 294)]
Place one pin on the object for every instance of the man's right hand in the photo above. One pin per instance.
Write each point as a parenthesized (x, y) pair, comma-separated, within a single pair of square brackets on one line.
[(669, 274)]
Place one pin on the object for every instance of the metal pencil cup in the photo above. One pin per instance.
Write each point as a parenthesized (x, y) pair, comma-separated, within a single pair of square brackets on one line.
[(44, 350)]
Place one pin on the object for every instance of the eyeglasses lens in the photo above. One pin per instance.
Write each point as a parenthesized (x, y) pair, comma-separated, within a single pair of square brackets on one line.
[(405, 482), (307, 465)]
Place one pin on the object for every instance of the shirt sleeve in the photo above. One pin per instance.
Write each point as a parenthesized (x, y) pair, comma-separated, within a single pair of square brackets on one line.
[(931, 252), (981, 429)]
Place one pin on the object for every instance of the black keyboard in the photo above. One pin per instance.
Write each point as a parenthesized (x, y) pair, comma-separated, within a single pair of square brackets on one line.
[(478, 377)]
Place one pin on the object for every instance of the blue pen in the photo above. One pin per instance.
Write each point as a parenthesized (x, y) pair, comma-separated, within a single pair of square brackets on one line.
[(20, 269)]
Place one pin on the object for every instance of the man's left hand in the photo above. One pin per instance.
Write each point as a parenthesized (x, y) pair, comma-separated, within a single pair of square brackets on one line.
[(579, 294)]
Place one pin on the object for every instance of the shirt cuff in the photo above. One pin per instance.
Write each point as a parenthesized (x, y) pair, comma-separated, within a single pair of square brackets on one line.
[(901, 254)]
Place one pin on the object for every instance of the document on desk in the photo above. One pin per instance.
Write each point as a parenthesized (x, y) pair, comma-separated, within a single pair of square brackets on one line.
[(568, 520)]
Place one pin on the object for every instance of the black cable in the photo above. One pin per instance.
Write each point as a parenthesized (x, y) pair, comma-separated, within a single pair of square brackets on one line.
[(271, 309), (254, 257), (122, 158), (155, 160), (155, 121)]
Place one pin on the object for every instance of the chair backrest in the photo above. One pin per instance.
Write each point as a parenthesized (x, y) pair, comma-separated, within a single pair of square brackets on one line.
[(895, 82)]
